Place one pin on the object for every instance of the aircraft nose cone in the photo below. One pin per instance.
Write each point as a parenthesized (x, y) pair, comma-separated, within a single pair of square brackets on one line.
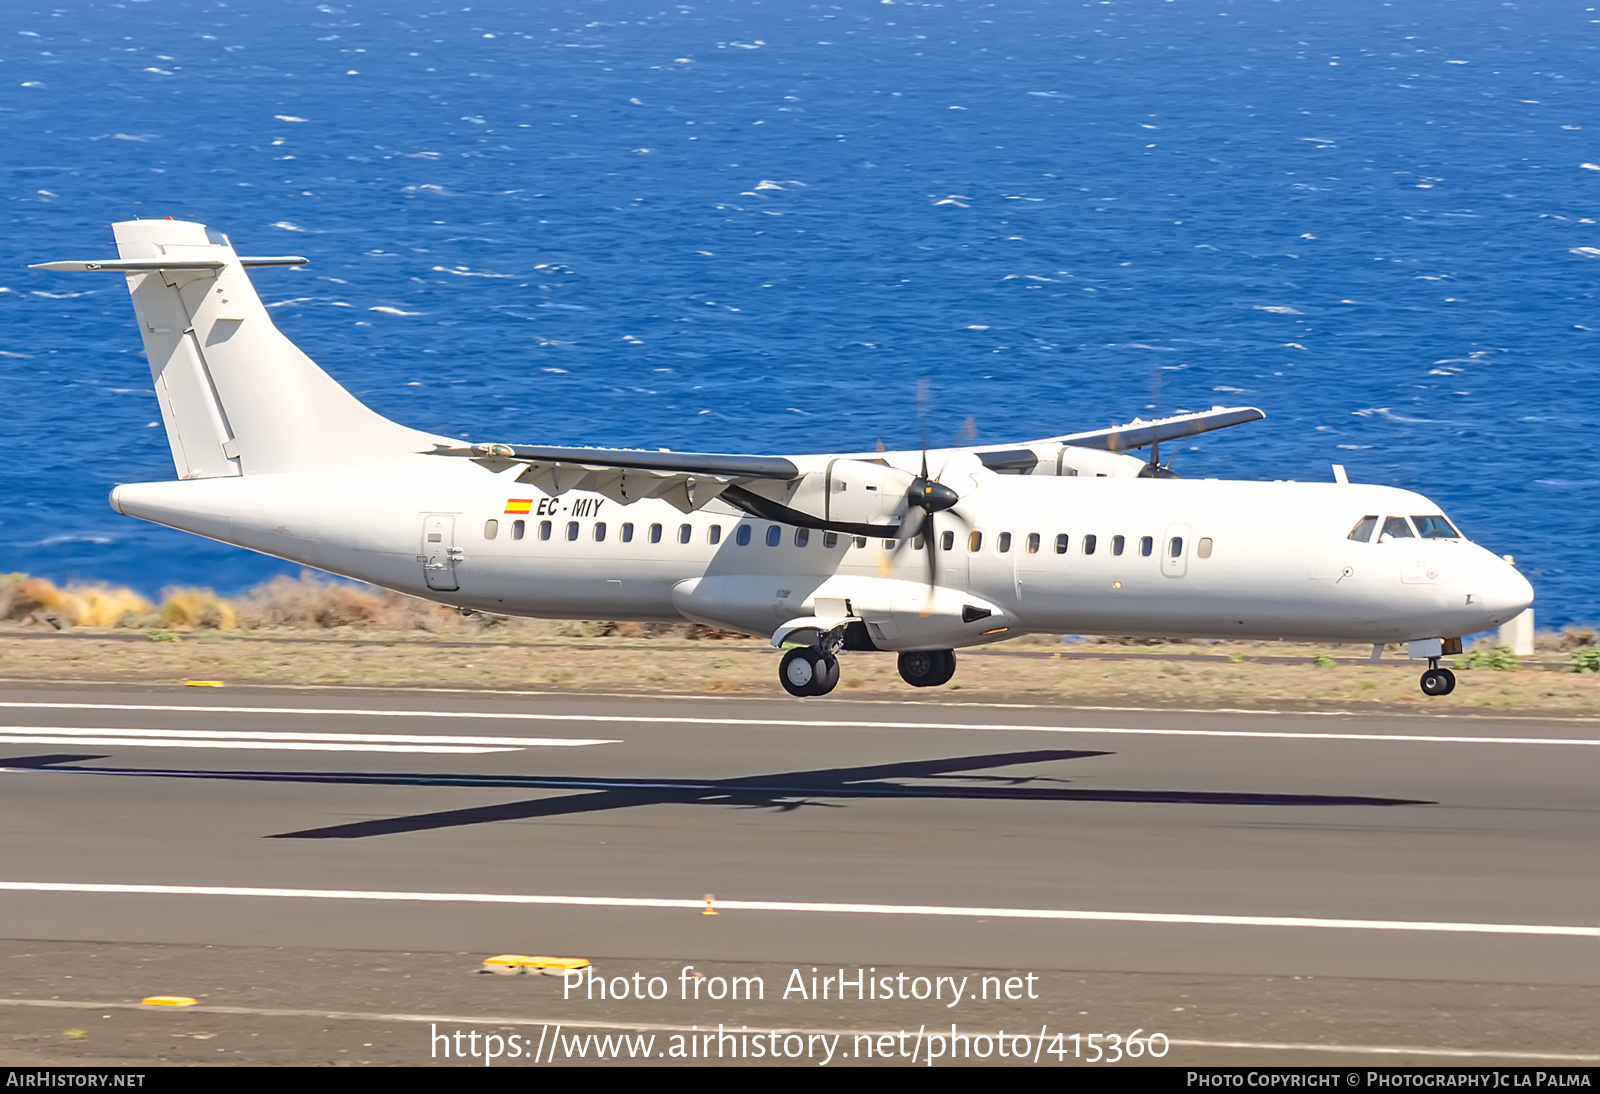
[(1506, 593)]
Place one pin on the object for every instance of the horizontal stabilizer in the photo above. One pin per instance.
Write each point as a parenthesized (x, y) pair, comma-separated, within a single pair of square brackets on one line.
[(145, 265), (1141, 434)]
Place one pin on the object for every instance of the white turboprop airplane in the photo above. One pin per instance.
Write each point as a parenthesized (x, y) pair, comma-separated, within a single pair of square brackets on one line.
[(821, 553)]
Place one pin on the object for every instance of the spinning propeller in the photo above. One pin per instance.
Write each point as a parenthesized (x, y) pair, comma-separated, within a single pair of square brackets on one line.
[(930, 496)]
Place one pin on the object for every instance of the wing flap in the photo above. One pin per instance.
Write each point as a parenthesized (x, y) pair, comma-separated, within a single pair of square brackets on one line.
[(726, 465)]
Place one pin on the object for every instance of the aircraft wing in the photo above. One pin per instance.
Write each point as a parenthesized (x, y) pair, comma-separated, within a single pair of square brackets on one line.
[(686, 479), (1141, 434), (768, 485)]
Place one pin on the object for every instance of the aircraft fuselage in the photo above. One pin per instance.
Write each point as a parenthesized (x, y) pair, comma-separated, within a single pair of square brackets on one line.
[(1157, 557)]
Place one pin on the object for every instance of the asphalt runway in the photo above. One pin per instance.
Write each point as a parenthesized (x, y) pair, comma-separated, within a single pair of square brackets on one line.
[(1314, 870)]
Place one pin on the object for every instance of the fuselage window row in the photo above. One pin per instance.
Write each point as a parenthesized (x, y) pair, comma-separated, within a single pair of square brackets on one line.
[(1431, 527)]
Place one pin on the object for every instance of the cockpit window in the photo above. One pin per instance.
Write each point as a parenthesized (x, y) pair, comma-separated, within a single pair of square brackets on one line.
[(1435, 527), (1396, 528), (1362, 532)]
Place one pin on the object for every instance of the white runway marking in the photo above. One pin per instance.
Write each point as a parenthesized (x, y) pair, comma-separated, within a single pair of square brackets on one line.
[(272, 739), (1181, 918), (813, 723), (482, 1021)]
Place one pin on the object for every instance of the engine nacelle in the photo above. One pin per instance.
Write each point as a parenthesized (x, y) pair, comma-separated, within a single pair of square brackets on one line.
[(854, 492)]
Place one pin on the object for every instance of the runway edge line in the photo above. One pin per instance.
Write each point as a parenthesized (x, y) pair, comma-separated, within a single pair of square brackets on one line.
[(1171, 918)]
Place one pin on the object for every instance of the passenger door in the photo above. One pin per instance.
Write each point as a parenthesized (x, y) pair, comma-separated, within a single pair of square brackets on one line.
[(439, 554)]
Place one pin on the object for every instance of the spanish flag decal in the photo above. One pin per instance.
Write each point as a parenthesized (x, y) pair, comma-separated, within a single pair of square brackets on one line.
[(519, 505)]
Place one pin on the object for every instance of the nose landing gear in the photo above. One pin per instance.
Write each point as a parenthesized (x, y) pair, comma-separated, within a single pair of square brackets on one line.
[(1437, 681)]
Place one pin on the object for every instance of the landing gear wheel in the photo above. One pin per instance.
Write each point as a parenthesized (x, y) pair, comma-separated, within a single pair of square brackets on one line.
[(805, 672), (927, 668), (1438, 682), (827, 674)]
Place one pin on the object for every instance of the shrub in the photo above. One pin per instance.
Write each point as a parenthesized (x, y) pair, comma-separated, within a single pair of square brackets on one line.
[(1575, 638), (307, 602), (197, 608), (1324, 661), (1586, 659), (1500, 658), (78, 605)]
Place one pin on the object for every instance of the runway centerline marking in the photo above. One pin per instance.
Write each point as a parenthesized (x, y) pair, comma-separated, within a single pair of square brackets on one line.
[(1171, 918), (283, 741), (808, 723)]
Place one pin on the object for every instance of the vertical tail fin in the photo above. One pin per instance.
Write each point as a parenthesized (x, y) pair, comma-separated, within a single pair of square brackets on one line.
[(237, 397)]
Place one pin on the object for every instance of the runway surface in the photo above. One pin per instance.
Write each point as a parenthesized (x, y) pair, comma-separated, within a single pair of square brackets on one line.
[(1207, 850)]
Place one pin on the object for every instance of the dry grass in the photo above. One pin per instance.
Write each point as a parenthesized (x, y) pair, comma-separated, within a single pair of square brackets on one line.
[(677, 665), (312, 630)]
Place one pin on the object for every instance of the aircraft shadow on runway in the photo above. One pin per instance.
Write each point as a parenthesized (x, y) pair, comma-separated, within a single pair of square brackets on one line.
[(784, 791)]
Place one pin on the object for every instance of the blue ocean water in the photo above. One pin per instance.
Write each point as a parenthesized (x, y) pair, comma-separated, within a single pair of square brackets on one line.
[(755, 226)]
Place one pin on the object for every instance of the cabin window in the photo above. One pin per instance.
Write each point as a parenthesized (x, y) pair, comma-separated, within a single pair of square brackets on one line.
[(1147, 546), (1004, 542), (519, 528), (599, 531), (916, 543), (860, 541), (685, 531), (1362, 532), (774, 535), (975, 541), (888, 544), (655, 533), (830, 539), (1395, 528), (1033, 543), (1435, 527), (572, 530), (714, 534), (802, 536), (627, 532), (742, 536), (1063, 541), (947, 541), (1203, 548), (435, 537), (491, 528), (1117, 543), (1089, 543), (1175, 547), (544, 529)]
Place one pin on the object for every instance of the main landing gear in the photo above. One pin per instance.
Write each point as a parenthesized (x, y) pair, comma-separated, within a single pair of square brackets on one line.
[(808, 671), (1437, 681), (927, 668)]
